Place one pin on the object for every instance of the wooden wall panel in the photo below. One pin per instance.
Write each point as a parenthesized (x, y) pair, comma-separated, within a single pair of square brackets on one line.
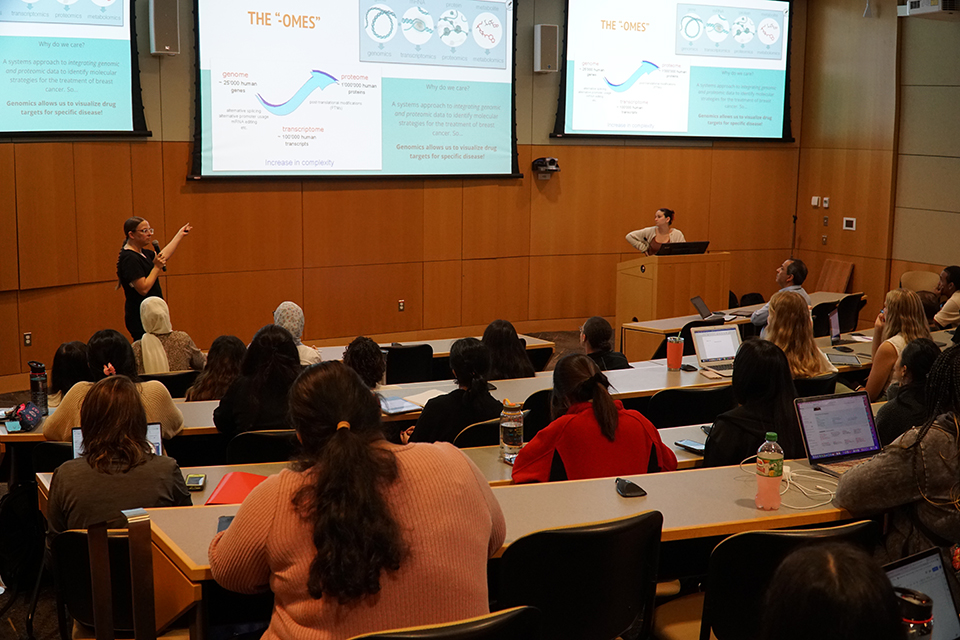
[(214, 304), (899, 267), (573, 286), (104, 186), (46, 214), (442, 219), (9, 274), (495, 289), (442, 283), (870, 275), (859, 185), (146, 162), (10, 338), (752, 198), (238, 226), (496, 214), (360, 300), (756, 271), (362, 222)]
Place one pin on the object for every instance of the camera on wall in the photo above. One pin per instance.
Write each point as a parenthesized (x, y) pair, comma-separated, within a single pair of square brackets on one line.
[(544, 167)]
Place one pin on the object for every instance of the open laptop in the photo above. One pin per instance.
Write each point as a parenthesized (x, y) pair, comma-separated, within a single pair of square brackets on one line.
[(704, 310), (927, 573), (716, 347), (838, 431), (835, 330), (153, 437), (682, 248)]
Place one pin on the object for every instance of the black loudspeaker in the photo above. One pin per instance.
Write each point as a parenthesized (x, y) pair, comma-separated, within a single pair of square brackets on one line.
[(164, 27), (546, 48)]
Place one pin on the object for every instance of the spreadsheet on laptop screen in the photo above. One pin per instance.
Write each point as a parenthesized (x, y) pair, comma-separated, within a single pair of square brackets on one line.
[(838, 426)]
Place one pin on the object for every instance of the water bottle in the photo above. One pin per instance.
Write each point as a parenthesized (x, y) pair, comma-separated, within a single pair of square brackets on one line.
[(38, 385), (511, 431), (769, 472), (916, 610)]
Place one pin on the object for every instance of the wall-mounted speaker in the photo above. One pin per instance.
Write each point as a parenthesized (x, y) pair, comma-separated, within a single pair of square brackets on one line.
[(164, 27), (546, 48)]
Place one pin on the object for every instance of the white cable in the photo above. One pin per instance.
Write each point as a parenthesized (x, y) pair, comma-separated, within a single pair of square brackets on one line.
[(789, 476)]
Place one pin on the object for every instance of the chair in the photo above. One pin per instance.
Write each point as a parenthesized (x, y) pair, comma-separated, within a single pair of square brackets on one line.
[(518, 623), (835, 276), (262, 446), (749, 299), (679, 407), (409, 363), (540, 357), (176, 382), (732, 301), (47, 456), (688, 349), (537, 413), (22, 531), (848, 311), (479, 434), (824, 385), (737, 582), (821, 318), (919, 280), (592, 582)]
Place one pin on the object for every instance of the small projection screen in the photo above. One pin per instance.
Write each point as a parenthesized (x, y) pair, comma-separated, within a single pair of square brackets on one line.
[(355, 88), (69, 67), (664, 68)]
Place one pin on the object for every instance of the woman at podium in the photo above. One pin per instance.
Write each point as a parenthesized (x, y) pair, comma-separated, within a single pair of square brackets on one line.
[(650, 239)]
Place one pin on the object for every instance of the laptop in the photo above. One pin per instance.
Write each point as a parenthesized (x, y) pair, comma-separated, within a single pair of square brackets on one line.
[(835, 330), (927, 573), (716, 347), (682, 248), (704, 310), (838, 431), (153, 437)]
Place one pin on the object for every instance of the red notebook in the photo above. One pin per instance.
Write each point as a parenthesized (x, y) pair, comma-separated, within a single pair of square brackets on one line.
[(234, 487)]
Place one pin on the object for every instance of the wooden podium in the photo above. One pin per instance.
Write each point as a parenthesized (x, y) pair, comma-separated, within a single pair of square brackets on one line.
[(656, 287)]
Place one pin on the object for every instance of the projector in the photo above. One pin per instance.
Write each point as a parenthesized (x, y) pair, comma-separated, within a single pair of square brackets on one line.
[(542, 165)]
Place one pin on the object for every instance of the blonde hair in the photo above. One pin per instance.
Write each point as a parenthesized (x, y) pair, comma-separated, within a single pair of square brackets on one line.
[(905, 316), (790, 327)]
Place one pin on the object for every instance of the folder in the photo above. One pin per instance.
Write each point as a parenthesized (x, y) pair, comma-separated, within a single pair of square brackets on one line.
[(234, 487)]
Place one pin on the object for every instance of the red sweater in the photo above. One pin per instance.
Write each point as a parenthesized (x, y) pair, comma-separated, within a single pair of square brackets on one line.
[(586, 453)]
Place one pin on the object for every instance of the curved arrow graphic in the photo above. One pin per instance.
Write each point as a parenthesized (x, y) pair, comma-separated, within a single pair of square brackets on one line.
[(318, 80), (645, 68)]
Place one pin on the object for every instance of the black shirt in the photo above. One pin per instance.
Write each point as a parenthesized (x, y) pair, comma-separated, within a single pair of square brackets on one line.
[(243, 409), (132, 266), (445, 416), (609, 360), (903, 412)]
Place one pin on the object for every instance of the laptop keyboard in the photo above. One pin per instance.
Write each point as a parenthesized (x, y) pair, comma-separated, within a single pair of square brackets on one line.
[(722, 367)]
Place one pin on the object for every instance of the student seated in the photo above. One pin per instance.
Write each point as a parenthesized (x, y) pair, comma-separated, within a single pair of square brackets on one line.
[(365, 356), (222, 368), (161, 349), (949, 287), (906, 406), (931, 306), (508, 355), (289, 315), (763, 388), (899, 323), (70, 366), (596, 336), (592, 435), (363, 535), (109, 354), (118, 470), (790, 327)]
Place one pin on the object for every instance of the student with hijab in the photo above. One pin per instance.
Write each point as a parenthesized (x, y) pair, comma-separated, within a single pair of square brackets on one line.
[(289, 315), (161, 349)]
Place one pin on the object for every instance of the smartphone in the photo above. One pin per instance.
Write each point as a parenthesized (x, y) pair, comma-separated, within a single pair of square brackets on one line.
[(687, 367), (629, 489), (196, 481), (223, 522), (690, 445)]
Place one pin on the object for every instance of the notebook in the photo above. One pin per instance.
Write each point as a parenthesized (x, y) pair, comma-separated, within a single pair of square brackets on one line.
[(835, 330), (927, 573), (716, 347), (703, 309), (153, 437), (838, 431)]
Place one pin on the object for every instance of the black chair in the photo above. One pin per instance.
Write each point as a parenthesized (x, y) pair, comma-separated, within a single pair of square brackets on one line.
[(737, 581), (22, 530), (749, 299), (536, 411), (176, 382), (47, 456), (824, 385), (679, 407), (479, 434), (592, 582), (540, 357), (688, 349), (848, 311), (732, 301), (262, 446), (206, 450), (518, 623), (821, 318), (409, 363)]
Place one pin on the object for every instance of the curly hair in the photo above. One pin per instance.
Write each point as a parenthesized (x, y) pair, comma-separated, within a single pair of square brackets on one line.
[(364, 356)]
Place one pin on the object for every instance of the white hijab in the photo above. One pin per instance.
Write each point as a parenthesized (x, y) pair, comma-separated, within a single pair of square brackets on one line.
[(155, 317), (289, 315)]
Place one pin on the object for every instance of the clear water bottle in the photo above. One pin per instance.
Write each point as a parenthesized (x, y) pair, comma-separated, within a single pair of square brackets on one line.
[(916, 610), (38, 385), (769, 472), (511, 431)]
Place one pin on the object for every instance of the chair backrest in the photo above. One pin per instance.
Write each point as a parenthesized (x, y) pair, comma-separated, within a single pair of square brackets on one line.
[(481, 434), (540, 357), (176, 382), (409, 363), (518, 623), (919, 280), (848, 311), (824, 385), (537, 410), (47, 456), (591, 582), (835, 276), (679, 407), (262, 446), (752, 298), (821, 318), (732, 300), (688, 349), (742, 566)]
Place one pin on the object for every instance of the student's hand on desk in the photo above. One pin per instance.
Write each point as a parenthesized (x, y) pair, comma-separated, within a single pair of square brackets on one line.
[(406, 435)]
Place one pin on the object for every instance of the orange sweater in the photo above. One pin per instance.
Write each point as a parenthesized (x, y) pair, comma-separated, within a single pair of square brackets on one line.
[(451, 521)]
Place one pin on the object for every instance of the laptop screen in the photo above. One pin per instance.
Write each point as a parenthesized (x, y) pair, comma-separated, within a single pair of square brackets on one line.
[(716, 344), (153, 437), (834, 326), (837, 426), (924, 572), (701, 306)]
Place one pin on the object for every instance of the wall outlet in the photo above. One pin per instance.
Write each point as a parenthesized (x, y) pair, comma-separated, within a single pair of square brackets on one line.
[(826, 219), (823, 239), (27, 339), (401, 305)]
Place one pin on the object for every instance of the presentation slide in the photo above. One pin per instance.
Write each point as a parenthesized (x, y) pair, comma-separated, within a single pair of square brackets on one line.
[(419, 87), (670, 68), (67, 66)]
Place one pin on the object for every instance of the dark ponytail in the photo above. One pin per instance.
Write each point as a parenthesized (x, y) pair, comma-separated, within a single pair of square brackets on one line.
[(470, 361), (354, 531), (577, 378), (129, 225)]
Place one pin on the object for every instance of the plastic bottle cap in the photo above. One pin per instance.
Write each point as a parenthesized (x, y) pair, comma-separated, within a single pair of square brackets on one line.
[(772, 436)]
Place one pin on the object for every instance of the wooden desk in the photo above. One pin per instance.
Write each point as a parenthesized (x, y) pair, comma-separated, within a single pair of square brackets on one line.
[(441, 348)]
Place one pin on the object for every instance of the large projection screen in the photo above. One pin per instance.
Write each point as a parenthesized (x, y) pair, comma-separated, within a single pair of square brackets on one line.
[(668, 68), (355, 88), (69, 67)]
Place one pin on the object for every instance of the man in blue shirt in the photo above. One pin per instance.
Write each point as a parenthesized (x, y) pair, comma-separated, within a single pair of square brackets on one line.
[(790, 277)]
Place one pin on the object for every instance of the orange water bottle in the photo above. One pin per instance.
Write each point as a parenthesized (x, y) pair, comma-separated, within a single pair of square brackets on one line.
[(769, 472)]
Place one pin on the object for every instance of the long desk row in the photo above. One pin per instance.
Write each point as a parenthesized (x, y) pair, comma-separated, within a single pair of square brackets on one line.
[(441, 347)]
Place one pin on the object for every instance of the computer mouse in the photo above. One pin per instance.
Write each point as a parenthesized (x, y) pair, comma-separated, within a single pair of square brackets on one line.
[(844, 349)]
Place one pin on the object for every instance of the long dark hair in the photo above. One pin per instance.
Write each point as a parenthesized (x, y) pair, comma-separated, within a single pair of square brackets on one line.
[(508, 357), (364, 356), (108, 346), (577, 378), (272, 362), (114, 426), (356, 535), (762, 380), (470, 361), (70, 366), (222, 368)]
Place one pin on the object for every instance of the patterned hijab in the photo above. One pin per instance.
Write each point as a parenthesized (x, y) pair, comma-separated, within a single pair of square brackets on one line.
[(290, 316), (155, 317)]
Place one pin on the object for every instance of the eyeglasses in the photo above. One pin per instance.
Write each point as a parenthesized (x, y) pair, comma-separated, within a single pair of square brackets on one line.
[(145, 230)]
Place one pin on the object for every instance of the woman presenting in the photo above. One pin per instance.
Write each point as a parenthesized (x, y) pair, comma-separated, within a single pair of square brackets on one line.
[(138, 268), (650, 239)]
